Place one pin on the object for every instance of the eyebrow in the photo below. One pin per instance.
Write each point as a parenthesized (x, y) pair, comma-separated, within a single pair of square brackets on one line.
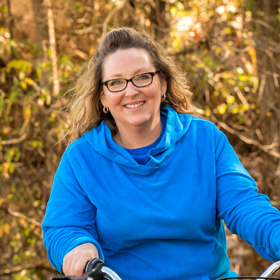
[(139, 71)]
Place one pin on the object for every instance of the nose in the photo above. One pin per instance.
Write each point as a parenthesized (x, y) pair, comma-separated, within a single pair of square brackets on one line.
[(131, 89)]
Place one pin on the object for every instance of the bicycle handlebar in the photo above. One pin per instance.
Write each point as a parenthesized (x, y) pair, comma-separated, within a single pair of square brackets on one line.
[(110, 274), (271, 269), (99, 267), (96, 269)]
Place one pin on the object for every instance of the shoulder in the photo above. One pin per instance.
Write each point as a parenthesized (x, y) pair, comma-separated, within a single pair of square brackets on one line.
[(205, 131), (76, 145), (200, 124), (79, 147)]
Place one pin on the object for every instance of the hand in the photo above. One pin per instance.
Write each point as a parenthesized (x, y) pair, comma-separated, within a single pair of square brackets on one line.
[(75, 261)]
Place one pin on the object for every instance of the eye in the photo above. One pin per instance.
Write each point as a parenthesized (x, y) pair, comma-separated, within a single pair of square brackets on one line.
[(143, 77), (116, 82)]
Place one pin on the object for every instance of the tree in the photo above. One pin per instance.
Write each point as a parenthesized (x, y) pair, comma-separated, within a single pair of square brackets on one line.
[(266, 26), (228, 49)]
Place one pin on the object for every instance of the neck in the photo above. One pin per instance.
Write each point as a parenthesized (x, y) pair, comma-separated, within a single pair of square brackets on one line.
[(138, 137)]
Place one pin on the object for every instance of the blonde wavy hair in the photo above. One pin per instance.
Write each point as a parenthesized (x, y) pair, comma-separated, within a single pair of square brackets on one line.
[(86, 110)]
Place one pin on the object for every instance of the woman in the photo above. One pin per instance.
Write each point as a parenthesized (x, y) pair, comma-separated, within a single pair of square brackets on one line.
[(146, 185)]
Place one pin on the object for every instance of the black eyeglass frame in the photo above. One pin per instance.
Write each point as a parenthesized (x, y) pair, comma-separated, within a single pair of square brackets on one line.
[(105, 83)]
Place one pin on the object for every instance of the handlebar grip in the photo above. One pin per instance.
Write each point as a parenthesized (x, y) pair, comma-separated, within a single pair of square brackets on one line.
[(94, 268), (93, 264), (98, 269)]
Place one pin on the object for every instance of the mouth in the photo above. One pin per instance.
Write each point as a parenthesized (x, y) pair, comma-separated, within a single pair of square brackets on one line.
[(134, 105)]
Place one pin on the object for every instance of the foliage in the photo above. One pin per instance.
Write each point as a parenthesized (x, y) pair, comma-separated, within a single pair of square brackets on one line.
[(213, 41)]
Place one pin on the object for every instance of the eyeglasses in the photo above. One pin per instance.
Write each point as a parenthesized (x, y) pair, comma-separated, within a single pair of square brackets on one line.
[(140, 80)]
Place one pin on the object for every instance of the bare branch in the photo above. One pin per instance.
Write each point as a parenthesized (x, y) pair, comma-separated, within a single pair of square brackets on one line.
[(183, 51), (242, 50), (271, 105), (81, 54), (269, 53), (56, 86), (265, 148), (262, 84), (13, 141), (16, 269), (268, 45), (88, 29), (241, 96), (110, 15), (263, 23), (21, 216), (11, 25)]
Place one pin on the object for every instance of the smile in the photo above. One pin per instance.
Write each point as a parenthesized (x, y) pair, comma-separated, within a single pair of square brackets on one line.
[(134, 105)]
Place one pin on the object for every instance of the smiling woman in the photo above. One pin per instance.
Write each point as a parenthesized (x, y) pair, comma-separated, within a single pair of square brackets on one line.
[(135, 107), (87, 110), (145, 185)]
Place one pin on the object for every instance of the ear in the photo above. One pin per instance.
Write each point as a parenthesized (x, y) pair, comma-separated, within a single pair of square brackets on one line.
[(163, 86), (103, 99)]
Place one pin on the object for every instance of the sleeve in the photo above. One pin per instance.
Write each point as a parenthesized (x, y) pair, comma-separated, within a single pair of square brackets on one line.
[(70, 216), (245, 212)]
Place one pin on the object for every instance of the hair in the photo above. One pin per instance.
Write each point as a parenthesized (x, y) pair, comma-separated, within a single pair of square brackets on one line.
[(86, 109)]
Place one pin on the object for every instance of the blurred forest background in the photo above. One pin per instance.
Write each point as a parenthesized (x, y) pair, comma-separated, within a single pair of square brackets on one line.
[(230, 53)]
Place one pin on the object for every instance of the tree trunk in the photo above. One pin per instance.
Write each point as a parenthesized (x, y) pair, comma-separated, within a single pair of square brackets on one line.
[(40, 22), (41, 37), (11, 26), (52, 42), (268, 67), (160, 21)]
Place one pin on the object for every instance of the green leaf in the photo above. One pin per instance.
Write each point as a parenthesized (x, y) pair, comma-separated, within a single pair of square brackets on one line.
[(222, 108), (29, 81), (12, 98), (23, 85), (173, 10), (2, 102), (180, 6), (230, 99), (11, 167), (38, 73), (200, 65), (17, 154), (227, 30), (16, 258), (22, 65)]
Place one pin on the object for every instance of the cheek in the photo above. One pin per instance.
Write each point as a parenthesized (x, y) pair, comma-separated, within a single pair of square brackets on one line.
[(110, 100)]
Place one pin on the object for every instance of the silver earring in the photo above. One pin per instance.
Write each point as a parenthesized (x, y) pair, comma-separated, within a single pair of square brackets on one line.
[(105, 110), (164, 97)]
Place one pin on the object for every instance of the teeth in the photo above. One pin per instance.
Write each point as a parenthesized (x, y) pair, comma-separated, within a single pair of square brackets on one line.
[(134, 105)]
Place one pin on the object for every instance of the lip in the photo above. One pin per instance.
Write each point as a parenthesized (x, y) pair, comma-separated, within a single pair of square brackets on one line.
[(134, 103)]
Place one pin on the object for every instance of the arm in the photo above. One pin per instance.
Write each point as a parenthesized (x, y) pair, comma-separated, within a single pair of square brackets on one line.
[(70, 216), (245, 212), (75, 261)]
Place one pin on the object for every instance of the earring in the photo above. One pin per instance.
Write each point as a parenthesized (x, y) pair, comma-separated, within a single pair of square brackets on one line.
[(105, 110), (164, 97)]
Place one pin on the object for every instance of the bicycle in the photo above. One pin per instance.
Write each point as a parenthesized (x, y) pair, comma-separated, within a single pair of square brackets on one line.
[(96, 269)]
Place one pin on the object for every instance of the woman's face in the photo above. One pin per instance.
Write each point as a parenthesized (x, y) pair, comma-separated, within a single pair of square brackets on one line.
[(133, 106)]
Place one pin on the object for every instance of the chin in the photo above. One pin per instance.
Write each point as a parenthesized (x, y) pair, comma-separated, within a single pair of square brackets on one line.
[(139, 122)]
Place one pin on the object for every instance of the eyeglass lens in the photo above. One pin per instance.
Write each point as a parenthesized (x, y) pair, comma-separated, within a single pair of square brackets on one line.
[(139, 81)]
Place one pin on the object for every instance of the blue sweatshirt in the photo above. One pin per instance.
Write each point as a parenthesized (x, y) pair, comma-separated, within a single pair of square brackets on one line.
[(161, 220)]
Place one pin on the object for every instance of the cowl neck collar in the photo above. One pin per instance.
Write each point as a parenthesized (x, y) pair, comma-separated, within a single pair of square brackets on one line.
[(177, 125)]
